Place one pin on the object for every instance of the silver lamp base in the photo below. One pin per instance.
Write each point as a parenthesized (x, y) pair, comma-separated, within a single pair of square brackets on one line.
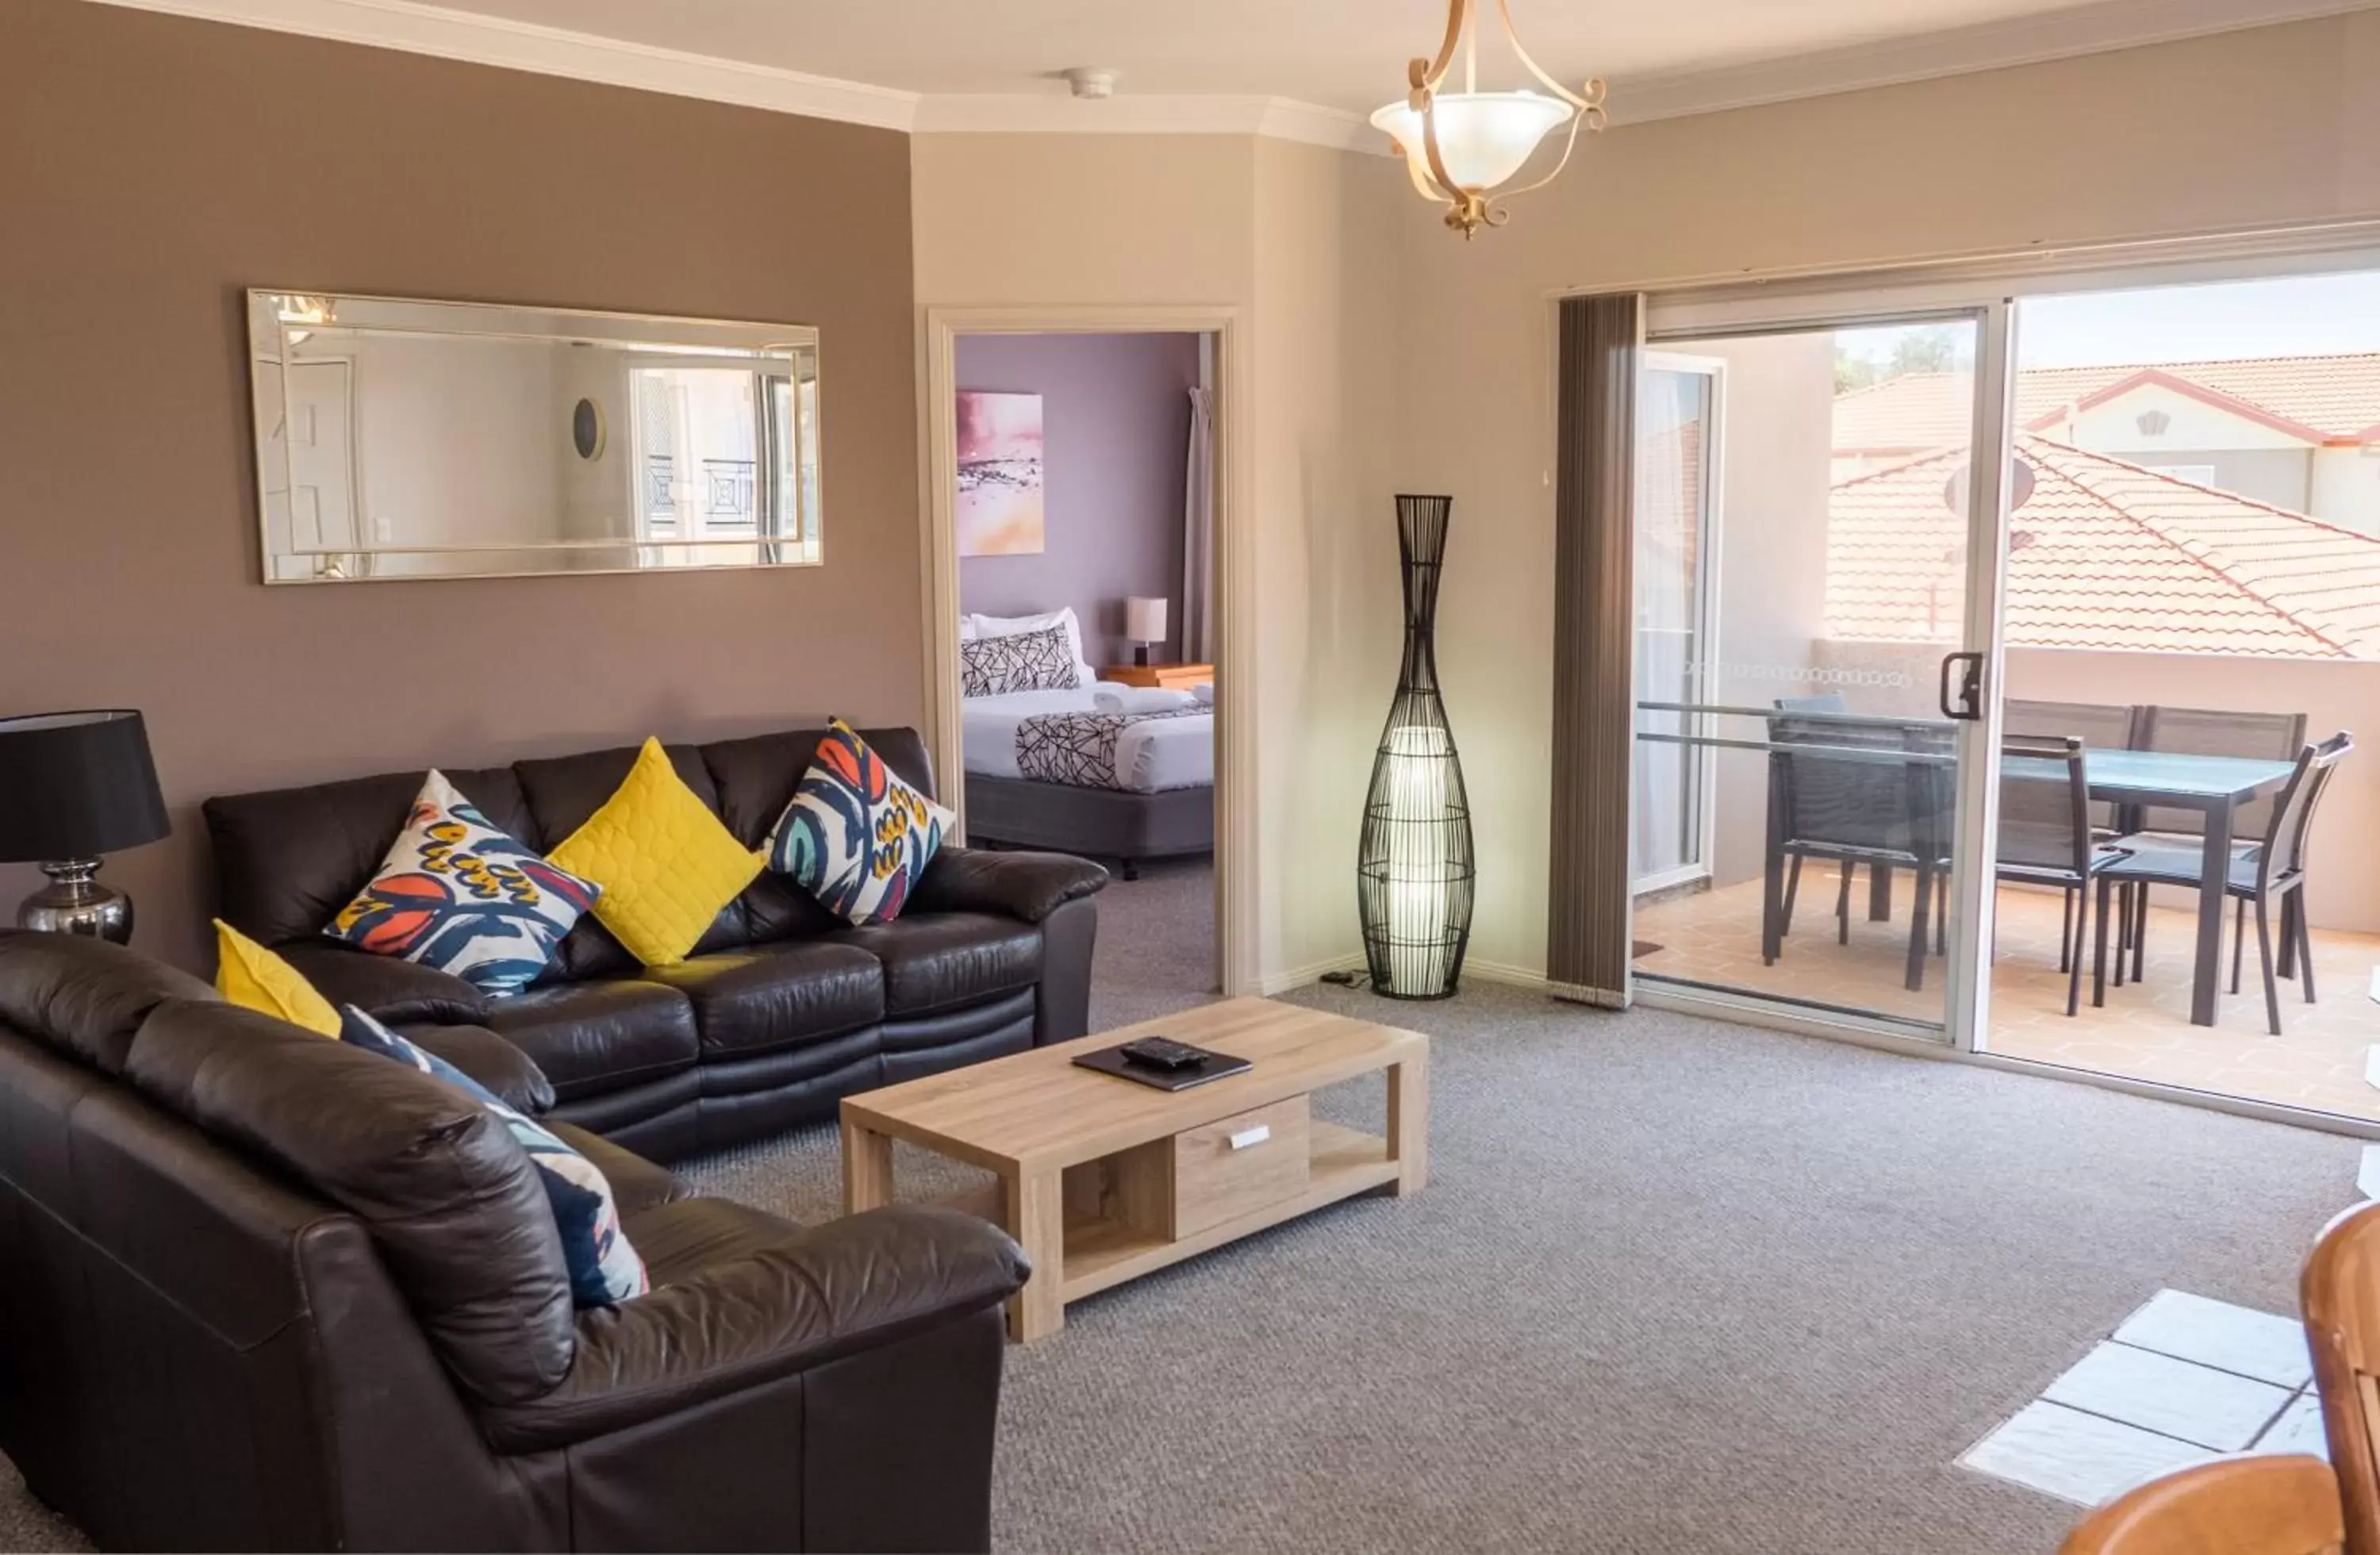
[(75, 902)]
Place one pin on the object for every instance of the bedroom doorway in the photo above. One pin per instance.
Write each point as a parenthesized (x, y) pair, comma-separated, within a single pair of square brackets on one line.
[(1078, 616)]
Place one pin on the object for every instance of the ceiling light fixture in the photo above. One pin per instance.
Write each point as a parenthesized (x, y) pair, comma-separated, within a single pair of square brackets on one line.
[(1461, 146)]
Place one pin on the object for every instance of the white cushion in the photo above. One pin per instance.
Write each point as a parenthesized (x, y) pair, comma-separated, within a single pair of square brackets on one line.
[(1110, 697)]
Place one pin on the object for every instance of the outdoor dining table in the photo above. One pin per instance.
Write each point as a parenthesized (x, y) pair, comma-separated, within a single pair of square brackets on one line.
[(2215, 786)]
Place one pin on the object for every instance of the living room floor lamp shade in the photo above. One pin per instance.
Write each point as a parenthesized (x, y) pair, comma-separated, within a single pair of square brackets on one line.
[(1414, 871), (73, 786)]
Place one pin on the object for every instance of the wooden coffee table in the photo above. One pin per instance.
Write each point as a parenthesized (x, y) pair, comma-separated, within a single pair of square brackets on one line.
[(1102, 1180)]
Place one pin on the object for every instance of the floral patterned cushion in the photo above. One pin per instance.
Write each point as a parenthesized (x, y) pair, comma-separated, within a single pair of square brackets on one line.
[(857, 836), (604, 1268), (458, 895)]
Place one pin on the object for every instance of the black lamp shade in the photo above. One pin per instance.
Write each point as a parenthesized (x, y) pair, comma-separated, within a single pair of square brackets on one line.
[(77, 786)]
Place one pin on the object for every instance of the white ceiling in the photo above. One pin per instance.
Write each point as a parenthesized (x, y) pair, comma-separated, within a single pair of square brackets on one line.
[(1346, 54), (1306, 69)]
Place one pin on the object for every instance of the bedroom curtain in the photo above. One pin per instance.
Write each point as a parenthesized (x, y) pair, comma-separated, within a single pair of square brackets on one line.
[(1588, 912), (1198, 534)]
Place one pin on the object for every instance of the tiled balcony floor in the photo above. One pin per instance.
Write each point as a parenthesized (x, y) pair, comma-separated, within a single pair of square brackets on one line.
[(2143, 1030)]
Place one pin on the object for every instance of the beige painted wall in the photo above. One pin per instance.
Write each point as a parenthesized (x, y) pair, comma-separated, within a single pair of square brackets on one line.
[(2268, 126), (1324, 401), (1076, 219), (1295, 238), (1772, 594)]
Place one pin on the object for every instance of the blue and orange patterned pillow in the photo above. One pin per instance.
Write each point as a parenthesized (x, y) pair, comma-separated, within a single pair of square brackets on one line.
[(604, 1268), (857, 836), (458, 895)]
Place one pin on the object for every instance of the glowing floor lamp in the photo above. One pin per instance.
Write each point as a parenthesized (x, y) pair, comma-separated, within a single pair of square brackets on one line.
[(1414, 867)]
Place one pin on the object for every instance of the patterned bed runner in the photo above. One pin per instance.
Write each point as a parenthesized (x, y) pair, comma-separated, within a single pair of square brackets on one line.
[(1078, 749)]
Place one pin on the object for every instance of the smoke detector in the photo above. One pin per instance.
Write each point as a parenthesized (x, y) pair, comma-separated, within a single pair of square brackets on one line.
[(1089, 81)]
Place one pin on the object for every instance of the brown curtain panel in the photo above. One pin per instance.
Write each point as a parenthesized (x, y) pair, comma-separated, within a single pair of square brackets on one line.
[(1595, 611)]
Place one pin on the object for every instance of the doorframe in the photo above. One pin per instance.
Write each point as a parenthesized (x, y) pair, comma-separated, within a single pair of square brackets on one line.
[(1237, 792)]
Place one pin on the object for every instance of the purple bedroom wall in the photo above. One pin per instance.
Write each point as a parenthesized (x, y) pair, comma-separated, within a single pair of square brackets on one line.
[(1115, 435)]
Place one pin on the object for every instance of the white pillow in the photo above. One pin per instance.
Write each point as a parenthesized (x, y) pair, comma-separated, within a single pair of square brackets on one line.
[(974, 626), (1110, 697)]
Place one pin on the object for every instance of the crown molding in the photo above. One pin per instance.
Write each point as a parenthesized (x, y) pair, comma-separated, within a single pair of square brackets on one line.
[(551, 50), (417, 27), (1281, 118), (1286, 119), (1994, 45)]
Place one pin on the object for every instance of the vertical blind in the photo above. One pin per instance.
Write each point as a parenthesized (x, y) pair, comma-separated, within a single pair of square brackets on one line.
[(1602, 344)]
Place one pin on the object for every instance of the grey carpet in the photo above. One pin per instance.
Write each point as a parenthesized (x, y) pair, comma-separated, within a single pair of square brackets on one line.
[(1156, 943), (1675, 1285)]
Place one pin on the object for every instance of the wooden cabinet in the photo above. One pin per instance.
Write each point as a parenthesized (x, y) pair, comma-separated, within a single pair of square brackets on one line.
[(1172, 677)]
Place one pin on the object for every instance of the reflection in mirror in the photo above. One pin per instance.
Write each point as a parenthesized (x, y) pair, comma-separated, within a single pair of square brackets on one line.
[(409, 439)]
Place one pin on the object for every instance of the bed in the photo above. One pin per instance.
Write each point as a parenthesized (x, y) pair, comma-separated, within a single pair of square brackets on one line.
[(1151, 796)]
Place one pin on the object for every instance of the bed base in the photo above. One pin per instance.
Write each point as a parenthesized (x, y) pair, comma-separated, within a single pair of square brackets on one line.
[(1095, 822)]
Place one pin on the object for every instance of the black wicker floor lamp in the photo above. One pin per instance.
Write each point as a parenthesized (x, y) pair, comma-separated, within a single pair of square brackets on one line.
[(1414, 867)]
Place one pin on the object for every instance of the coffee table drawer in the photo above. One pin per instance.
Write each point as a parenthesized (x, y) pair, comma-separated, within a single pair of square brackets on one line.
[(1239, 1164)]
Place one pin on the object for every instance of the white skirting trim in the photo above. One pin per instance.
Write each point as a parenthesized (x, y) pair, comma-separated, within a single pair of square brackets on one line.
[(1298, 977)]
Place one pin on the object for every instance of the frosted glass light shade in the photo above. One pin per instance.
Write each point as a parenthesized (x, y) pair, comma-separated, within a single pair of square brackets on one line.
[(1484, 137), (1144, 619)]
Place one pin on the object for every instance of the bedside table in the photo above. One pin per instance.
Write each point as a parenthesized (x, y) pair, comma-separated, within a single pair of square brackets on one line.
[(1172, 677)]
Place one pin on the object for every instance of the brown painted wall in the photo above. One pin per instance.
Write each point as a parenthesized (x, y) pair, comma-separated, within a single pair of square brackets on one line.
[(153, 167)]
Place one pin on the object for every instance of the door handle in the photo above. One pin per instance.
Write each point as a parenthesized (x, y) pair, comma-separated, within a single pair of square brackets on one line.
[(1969, 689)]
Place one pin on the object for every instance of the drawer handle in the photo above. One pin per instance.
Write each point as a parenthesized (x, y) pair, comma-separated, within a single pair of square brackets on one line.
[(1247, 1138)]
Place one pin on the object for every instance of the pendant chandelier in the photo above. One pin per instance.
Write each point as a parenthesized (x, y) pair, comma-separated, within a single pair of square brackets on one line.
[(1460, 147)]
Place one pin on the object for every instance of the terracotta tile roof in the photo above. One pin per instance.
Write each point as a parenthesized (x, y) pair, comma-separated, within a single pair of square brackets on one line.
[(2333, 399), (2105, 554)]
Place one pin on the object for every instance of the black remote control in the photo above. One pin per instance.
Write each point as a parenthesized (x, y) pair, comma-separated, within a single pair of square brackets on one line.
[(1163, 1053)]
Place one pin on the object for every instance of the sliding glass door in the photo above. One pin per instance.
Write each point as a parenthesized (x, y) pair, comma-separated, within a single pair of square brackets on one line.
[(1940, 622), (1809, 649)]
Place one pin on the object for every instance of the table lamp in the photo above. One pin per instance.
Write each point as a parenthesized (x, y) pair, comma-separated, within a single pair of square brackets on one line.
[(1144, 623), (74, 785)]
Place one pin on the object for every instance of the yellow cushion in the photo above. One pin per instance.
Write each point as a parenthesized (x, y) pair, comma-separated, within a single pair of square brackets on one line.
[(255, 978), (665, 863)]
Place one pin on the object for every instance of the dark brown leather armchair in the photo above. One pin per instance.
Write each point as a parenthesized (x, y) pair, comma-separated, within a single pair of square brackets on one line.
[(266, 1290)]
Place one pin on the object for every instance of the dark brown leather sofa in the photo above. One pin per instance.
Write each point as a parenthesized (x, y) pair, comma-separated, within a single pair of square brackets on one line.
[(260, 1289), (782, 1009)]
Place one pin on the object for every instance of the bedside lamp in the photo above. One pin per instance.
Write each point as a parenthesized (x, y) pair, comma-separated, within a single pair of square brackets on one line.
[(1144, 623), (74, 785)]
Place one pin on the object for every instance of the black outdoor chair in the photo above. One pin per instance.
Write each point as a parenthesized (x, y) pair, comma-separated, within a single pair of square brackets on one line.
[(1861, 801), (1825, 702), (2274, 871), (2157, 833), (2046, 839), (2100, 726)]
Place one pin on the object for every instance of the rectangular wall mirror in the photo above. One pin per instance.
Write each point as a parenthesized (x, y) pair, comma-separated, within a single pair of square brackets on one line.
[(398, 439)]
